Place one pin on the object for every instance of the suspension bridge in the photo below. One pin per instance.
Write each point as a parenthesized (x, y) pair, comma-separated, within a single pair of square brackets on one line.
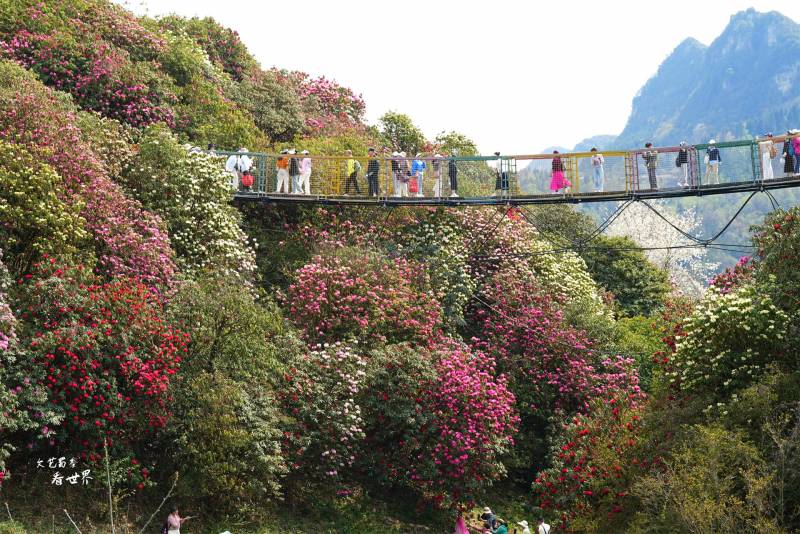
[(388, 180)]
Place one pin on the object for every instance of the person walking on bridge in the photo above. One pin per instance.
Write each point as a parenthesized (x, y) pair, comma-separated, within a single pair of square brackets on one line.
[(452, 173), (788, 155), (418, 172), (682, 161), (796, 150), (557, 180), (373, 170), (768, 151), (651, 162), (437, 175), (294, 173), (713, 161), (352, 168), (282, 166)]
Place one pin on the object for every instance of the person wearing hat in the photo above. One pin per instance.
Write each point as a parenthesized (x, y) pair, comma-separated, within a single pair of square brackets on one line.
[(452, 173), (305, 173), (524, 525), (282, 166), (418, 171), (373, 169), (543, 527), (243, 166), (231, 167), (768, 151), (437, 175), (682, 162), (499, 527), (713, 160), (487, 517), (294, 172)]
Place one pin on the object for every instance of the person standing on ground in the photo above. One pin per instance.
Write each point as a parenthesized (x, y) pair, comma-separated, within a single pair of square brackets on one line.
[(543, 527), (352, 167), (768, 151), (305, 173), (294, 173), (373, 169), (525, 528), (175, 521), (418, 172), (598, 172), (282, 166), (499, 527), (651, 162), (452, 173), (682, 161), (487, 517)]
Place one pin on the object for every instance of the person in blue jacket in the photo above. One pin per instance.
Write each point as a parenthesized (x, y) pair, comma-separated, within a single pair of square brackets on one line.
[(418, 171)]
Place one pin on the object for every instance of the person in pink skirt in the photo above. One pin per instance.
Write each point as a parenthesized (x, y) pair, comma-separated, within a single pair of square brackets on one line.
[(558, 181)]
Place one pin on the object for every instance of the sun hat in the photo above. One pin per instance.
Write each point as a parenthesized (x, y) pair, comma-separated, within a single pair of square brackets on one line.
[(304, 152), (395, 153), (285, 151), (523, 523), (402, 154), (487, 510), (712, 142)]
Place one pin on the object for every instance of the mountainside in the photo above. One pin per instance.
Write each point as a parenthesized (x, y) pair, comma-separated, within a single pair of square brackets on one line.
[(743, 84)]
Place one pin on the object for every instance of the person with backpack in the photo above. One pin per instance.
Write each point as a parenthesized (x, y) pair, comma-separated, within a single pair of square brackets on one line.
[(768, 151), (543, 527), (713, 160), (651, 162), (294, 173)]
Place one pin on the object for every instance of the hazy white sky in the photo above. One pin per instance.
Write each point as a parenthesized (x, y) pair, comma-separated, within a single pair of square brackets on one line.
[(514, 76)]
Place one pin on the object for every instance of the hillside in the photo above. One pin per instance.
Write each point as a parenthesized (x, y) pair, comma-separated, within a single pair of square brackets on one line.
[(282, 368)]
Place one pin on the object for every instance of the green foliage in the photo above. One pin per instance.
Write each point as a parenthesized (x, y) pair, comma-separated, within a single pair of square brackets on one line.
[(34, 220), (12, 527), (191, 193), (275, 107), (716, 481), (638, 336), (111, 141), (638, 286), (401, 133), (456, 143)]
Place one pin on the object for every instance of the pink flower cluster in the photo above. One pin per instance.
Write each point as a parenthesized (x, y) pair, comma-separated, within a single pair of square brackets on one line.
[(94, 72), (734, 276), (7, 319), (369, 298), (327, 104), (129, 240)]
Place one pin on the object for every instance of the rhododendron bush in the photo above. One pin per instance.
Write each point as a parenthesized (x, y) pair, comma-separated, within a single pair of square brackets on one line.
[(128, 240), (354, 293), (437, 421), (103, 352)]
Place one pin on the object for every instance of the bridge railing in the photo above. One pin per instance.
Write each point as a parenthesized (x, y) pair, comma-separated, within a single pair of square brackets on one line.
[(623, 172)]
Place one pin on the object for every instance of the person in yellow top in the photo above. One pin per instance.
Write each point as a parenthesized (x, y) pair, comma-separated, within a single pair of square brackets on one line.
[(352, 168), (282, 166)]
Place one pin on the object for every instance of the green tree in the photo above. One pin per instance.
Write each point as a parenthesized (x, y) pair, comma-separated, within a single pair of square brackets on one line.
[(455, 142), (401, 133), (275, 107), (616, 264)]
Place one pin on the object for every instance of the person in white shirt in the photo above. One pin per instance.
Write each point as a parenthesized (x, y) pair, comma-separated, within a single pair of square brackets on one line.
[(305, 173), (543, 527), (767, 149), (525, 528), (598, 171)]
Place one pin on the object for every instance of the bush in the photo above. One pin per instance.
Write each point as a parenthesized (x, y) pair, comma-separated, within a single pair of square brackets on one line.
[(275, 107), (362, 295), (103, 352), (191, 193), (34, 220)]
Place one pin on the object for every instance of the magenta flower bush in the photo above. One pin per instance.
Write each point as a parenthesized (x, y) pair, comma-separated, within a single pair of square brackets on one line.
[(128, 239), (354, 293)]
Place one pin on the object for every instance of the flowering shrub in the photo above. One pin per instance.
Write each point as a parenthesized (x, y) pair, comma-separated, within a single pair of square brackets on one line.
[(275, 106), (34, 220), (728, 341), (363, 295), (325, 434), (437, 421), (734, 276), (438, 245), (777, 240), (191, 192), (128, 240), (102, 351)]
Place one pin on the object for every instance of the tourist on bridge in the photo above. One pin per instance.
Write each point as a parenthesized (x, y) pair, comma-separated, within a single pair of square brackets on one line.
[(352, 168), (396, 176), (373, 170), (796, 150), (558, 181), (788, 155), (282, 166), (305, 173), (598, 171), (294, 173), (437, 175), (713, 161), (452, 173), (418, 171), (768, 151), (501, 173), (682, 161), (651, 162)]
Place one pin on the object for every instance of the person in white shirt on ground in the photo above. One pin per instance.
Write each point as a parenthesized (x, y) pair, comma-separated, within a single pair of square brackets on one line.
[(543, 527)]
